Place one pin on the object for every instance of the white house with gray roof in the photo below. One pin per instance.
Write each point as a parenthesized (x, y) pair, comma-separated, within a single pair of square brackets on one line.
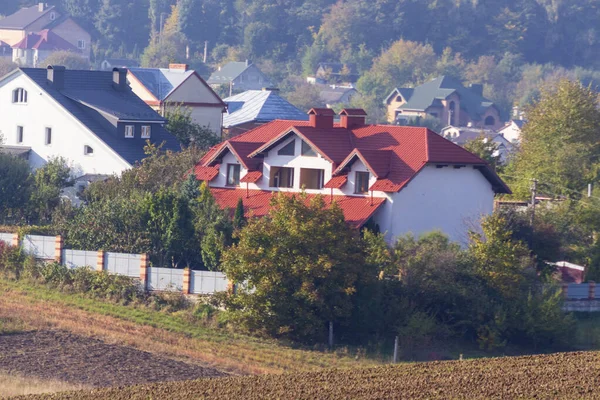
[(177, 85), (91, 118), (239, 76)]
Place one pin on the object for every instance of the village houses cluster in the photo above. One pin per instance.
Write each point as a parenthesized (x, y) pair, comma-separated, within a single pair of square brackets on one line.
[(400, 178)]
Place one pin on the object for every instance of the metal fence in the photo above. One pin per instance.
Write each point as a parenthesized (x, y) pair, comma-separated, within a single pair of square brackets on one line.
[(165, 279), (207, 282), (42, 247), (79, 258), (6, 238), (123, 264)]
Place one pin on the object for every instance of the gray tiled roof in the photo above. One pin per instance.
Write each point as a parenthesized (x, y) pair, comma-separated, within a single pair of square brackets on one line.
[(160, 81), (23, 18), (259, 106), (228, 72), (91, 98)]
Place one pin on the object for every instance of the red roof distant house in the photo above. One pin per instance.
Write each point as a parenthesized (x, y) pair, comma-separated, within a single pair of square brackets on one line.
[(392, 155), (45, 40)]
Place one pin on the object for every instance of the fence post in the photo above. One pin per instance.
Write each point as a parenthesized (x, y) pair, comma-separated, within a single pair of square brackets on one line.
[(565, 290), (144, 271), (15, 240), (592, 290), (396, 350), (58, 243), (187, 280), (100, 261)]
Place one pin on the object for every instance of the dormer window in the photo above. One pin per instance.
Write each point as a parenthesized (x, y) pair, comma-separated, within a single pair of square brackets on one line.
[(233, 174), (146, 132), (19, 95), (129, 131), (362, 182), (288, 149)]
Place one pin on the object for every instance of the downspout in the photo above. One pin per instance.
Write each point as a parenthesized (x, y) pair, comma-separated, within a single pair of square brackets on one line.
[(247, 191), (371, 197), (331, 197)]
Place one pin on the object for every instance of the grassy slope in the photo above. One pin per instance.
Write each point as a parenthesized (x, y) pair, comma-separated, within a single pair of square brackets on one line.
[(563, 375), (170, 334)]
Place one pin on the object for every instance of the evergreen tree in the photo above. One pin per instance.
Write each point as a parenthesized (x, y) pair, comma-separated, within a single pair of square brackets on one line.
[(239, 220)]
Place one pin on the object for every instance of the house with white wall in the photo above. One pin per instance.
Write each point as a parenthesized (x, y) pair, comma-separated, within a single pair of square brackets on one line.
[(239, 76), (512, 130), (91, 118), (403, 179), (463, 135), (178, 86)]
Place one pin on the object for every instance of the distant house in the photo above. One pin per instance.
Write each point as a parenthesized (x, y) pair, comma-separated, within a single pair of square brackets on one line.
[(5, 50), (444, 98), (177, 85), (512, 130), (331, 95), (45, 22), (240, 76), (92, 118), (463, 135), (110, 63), (403, 179), (247, 110), (336, 72)]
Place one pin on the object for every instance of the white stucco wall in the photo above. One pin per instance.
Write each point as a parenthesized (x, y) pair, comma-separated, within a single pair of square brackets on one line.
[(68, 135), (512, 133), (447, 199)]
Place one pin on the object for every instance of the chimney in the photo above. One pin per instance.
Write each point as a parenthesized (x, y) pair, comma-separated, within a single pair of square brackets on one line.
[(56, 76), (351, 118), (477, 88), (321, 117), (248, 62), (41, 7), (178, 67), (119, 78), (269, 89)]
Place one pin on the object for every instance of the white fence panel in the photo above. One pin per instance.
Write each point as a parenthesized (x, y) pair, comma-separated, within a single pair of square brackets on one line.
[(207, 282), (40, 246), (578, 291), (7, 238), (123, 264), (165, 279), (79, 258)]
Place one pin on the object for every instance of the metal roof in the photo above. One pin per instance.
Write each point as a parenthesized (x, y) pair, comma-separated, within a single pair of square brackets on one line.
[(228, 72), (259, 106), (161, 81), (23, 18)]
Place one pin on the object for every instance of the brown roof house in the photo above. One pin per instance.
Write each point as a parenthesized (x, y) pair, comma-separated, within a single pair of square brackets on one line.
[(37, 31)]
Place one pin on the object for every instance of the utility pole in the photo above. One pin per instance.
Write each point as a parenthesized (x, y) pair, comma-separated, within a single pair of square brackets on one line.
[(205, 50), (532, 218)]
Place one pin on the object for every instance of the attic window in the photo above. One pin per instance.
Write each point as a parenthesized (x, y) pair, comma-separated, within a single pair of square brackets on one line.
[(128, 131), (19, 95), (362, 182), (146, 132), (307, 151), (81, 44), (399, 98), (87, 150), (48, 137), (288, 149)]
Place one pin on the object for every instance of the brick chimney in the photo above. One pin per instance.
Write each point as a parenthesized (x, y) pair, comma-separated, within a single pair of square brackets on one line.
[(351, 118), (178, 67), (41, 7), (321, 117), (120, 78), (55, 74)]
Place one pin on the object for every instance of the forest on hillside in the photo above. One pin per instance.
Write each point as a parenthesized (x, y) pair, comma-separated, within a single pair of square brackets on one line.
[(509, 45)]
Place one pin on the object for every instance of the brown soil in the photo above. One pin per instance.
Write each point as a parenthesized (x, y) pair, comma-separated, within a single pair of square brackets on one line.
[(66, 357)]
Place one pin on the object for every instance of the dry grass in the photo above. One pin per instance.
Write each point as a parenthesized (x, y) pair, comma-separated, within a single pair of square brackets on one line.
[(155, 332), (14, 385)]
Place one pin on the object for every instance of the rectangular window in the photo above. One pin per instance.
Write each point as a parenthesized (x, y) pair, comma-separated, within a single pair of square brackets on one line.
[(282, 177), (19, 95), (48, 137), (362, 182), (81, 44), (19, 134), (307, 151), (128, 131), (233, 174), (312, 178), (146, 132)]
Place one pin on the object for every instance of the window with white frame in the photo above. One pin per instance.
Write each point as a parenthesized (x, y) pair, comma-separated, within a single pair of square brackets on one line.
[(48, 137), (362, 182), (146, 132), (19, 134), (88, 150), (19, 95), (81, 44), (233, 174), (129, 131)]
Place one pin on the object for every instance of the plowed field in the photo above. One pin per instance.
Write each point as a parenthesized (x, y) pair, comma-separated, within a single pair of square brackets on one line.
[(564, 375)]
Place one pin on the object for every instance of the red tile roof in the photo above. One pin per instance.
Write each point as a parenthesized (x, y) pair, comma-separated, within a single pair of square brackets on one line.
[(357, 210), (206, 173), (394, 153), (336, 182), (45, 40), (252, 177)]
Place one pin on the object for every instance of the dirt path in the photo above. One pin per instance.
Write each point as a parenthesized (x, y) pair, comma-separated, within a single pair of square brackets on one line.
[(71, 358)]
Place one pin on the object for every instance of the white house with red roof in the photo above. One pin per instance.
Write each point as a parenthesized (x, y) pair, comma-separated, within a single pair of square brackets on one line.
[(404, 179)]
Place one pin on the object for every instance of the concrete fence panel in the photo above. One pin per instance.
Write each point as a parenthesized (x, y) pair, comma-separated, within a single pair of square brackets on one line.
[(165, 279), (79, 258), (7, 238), (207, 282), (578, 291), (123, 264), (42, 247)]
